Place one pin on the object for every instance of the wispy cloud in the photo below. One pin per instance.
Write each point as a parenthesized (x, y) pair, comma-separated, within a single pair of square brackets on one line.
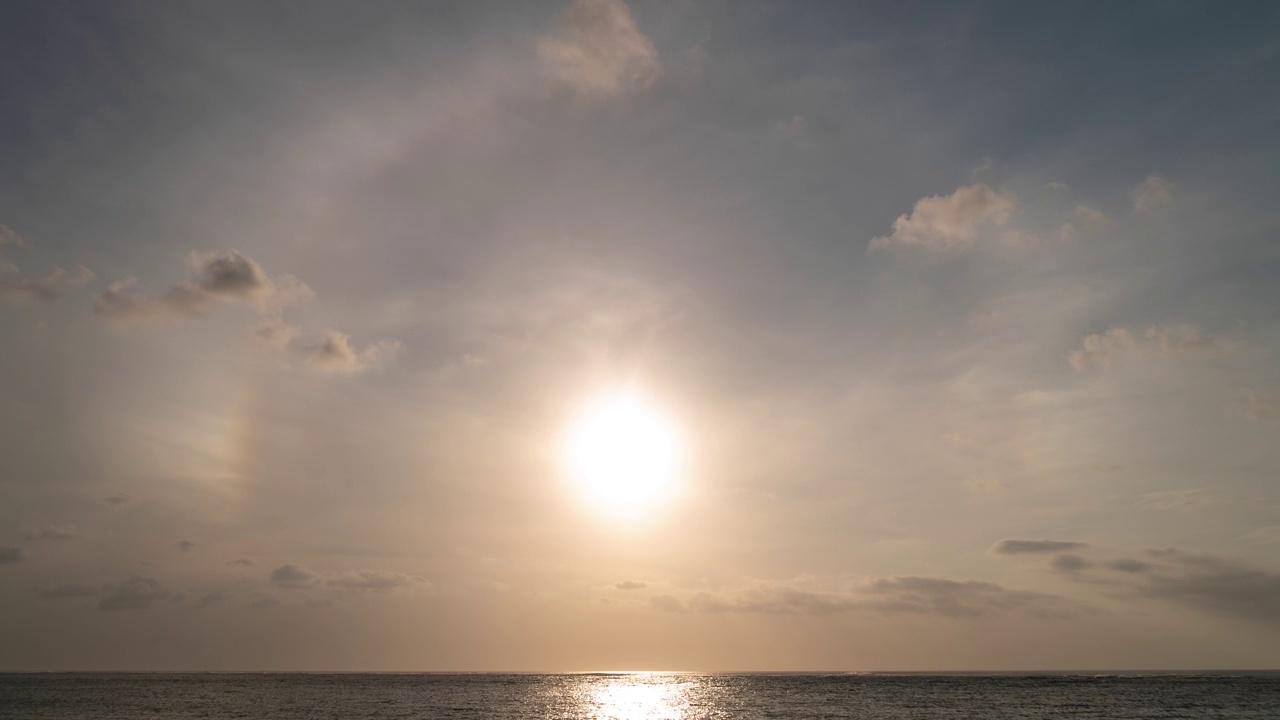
[(1153, 195)]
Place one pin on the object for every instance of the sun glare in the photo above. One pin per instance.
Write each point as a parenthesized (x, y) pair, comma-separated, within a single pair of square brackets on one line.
[(623, 454)]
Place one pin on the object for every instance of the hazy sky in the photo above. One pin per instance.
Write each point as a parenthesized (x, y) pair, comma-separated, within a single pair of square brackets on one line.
[(967, 315)]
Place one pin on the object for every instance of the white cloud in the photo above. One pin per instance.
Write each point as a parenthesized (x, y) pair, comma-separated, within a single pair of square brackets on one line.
[(1153, 194), (1106, 349), (600, 50), (943, 222)]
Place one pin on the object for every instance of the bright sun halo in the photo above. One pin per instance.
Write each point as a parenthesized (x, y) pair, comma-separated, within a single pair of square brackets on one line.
[(623, 453)]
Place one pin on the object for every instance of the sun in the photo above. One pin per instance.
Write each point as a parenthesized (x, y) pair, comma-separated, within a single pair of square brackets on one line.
[(623, 453)]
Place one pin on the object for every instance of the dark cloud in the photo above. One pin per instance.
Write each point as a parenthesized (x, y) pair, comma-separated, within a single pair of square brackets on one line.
[(666, 603), (914, 595), (1213, 585), (231, 275), (294, 576), (963, 598), (1207, 583), (241, 562), (136, 593), (185, 545), (116, 500), (10, 555), (264, 603), (1128, 565), (630, 585), (217, 597), (68, 591), (214, 278), (1017, 547), (52, 533), (1069, 563)]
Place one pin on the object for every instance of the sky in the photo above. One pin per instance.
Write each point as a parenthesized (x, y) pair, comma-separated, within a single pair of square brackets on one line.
[(965, 317)]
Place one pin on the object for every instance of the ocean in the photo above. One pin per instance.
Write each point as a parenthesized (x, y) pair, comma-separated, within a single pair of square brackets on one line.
[(639, 696)]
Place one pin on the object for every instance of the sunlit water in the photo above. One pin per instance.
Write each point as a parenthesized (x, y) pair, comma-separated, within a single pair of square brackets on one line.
[(638, 696)]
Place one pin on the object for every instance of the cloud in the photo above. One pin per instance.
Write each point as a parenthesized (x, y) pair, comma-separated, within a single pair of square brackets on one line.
[(1153, 195), (666, 603), (1083, 218), (944, 222), (136, 593), (1205, 583), (599, 50), (795, 127), (910, 594), (965, 598), (1069, 563), (1179, 500), (298, 576), (47, 287), (1128, 565), (375, 580), (52, 533), (1107, 349), (216, 597), (212, 279), (1261, 408), (264, 603), (72, 590), (116, 500), (10, 555), (630, 585), (1018, 547), (242, 562), (335, 354), (1264, 535), (291, 575), (185, 545), (1214, 585), (9, 236)]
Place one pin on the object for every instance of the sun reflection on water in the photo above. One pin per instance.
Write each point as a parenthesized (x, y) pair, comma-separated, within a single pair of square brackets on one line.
[(637, 697)]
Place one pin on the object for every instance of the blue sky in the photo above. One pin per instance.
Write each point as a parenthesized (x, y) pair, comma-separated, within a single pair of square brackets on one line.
[(965, 312)]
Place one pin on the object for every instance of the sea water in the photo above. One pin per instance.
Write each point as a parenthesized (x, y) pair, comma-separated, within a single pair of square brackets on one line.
[(639, 696)]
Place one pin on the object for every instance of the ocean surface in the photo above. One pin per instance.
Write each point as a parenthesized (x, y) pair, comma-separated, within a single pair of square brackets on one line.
[(638, 696)]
